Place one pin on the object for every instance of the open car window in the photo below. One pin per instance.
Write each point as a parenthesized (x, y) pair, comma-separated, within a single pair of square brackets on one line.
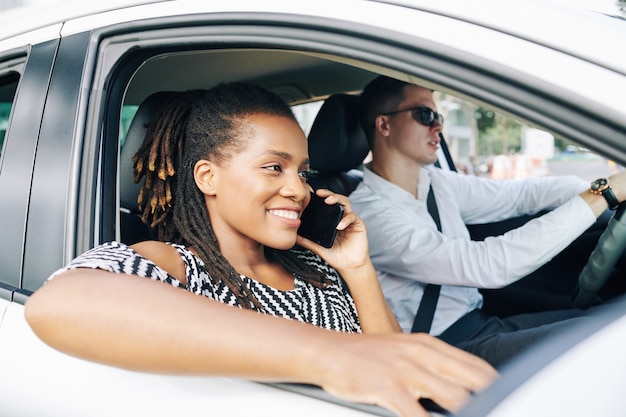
[(489, 143)]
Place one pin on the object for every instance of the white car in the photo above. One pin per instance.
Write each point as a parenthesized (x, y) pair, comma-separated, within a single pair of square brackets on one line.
[(72, 78)]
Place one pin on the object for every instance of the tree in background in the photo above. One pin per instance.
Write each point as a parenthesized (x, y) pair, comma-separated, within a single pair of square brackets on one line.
[(497, 133)]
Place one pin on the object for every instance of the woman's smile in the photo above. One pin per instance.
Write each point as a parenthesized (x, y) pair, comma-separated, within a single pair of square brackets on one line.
[(291, 218)]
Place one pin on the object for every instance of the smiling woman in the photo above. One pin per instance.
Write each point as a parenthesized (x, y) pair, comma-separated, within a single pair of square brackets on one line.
[(240, 246), (225, 185)]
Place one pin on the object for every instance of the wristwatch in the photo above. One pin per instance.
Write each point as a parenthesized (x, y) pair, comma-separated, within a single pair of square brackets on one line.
[(602, 186)]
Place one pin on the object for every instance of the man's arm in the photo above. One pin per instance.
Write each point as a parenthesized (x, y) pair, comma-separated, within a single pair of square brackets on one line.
[(404, 242), (484, 200)]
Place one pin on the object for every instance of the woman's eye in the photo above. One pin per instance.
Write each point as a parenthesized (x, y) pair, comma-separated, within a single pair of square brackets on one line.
[(304, 174), (276, 168)]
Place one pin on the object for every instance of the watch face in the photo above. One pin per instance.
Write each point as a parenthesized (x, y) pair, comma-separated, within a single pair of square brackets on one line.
[(600, 184)]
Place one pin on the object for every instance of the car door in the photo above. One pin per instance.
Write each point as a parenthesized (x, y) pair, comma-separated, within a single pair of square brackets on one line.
[(65, 179), (64, 183), (24, 74)]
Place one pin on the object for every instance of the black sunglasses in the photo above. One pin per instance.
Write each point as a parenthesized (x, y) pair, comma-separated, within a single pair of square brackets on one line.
[(422, 115)]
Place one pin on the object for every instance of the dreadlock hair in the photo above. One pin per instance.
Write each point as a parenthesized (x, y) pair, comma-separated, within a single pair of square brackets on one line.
[(196, 125)]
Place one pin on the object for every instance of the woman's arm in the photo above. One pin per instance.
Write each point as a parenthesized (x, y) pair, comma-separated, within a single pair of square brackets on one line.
[(375, 315), (140, 324)]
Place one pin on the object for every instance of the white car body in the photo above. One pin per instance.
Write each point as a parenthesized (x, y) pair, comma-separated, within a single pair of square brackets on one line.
[(522, 40)]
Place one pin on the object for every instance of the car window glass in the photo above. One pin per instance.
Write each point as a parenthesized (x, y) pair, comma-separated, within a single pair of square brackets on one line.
[(8, 86), (488, 143), (305, 114), (128, 112)]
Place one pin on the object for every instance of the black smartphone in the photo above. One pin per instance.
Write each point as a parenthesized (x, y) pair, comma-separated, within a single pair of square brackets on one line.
[(320, 220)]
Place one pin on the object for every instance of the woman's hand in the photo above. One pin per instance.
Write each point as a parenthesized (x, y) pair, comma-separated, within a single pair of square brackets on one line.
[(400, 369), (350, 249), (349, 255)]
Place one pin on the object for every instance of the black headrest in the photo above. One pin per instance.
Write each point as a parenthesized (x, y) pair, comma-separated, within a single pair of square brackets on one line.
[(337, 142), (136, 132)]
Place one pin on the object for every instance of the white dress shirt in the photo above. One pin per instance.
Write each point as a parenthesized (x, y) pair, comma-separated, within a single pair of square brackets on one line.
[(408, 251)]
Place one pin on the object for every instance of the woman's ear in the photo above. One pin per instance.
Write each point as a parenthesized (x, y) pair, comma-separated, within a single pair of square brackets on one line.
[(205, 175)]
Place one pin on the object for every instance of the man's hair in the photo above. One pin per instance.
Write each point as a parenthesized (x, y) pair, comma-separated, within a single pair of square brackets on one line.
[(204, 124), (383, 94)]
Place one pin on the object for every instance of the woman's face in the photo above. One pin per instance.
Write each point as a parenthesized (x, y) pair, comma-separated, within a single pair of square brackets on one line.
[(259, 193)]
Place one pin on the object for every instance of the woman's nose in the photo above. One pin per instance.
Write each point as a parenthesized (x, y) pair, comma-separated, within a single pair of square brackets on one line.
[(295, 188)]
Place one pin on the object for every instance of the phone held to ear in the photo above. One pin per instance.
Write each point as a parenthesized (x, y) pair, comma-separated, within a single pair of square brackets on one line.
[(320, 220)]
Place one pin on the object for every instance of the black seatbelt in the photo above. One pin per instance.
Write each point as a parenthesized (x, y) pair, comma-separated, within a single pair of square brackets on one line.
[(426, 311), (432, 208)]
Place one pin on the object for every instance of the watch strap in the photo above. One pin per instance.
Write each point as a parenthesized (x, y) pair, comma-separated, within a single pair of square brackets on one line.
[(610, 198)]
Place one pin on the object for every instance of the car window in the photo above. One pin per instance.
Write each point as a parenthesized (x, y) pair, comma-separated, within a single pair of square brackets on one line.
[(8, 86), (488, 143), (305, 114), (128, 112)]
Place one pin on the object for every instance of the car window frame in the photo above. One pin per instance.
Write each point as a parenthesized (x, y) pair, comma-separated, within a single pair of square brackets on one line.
[(381, 47), (33, 63), (53, 173)]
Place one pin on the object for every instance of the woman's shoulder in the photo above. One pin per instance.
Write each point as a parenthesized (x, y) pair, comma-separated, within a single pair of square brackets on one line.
[(166, 256)]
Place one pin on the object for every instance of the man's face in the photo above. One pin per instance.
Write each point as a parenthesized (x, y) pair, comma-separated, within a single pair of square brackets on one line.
[(408, 136)]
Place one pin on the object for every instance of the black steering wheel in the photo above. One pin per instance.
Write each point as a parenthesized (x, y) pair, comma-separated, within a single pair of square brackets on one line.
[(602, 260)]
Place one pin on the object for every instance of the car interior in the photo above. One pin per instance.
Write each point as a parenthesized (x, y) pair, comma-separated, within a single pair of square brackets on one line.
[(337, 148), (337, 145)]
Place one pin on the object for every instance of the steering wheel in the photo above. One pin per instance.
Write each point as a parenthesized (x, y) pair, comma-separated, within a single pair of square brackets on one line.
[(602, 260)]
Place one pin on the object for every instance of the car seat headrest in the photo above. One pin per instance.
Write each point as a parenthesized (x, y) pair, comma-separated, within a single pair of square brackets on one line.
[(136, 132), (337, 142)]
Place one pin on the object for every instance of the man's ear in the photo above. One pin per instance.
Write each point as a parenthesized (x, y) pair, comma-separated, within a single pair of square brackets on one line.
[(381, 125), (205, 175)]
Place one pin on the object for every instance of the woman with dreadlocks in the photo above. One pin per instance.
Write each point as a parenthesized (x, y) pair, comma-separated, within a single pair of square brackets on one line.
[(224, 175)]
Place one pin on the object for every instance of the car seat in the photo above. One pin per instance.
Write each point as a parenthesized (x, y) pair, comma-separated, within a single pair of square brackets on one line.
[(337, 145), (132, 228)]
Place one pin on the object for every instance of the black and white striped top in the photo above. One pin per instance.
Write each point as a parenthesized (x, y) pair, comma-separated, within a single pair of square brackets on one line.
[(331, 307)]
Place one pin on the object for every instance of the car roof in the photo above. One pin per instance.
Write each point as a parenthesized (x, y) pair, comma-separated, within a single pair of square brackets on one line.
[(532, 20), (543, 22)]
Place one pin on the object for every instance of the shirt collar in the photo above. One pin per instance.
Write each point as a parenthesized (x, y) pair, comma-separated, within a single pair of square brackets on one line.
[(393, 192)]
